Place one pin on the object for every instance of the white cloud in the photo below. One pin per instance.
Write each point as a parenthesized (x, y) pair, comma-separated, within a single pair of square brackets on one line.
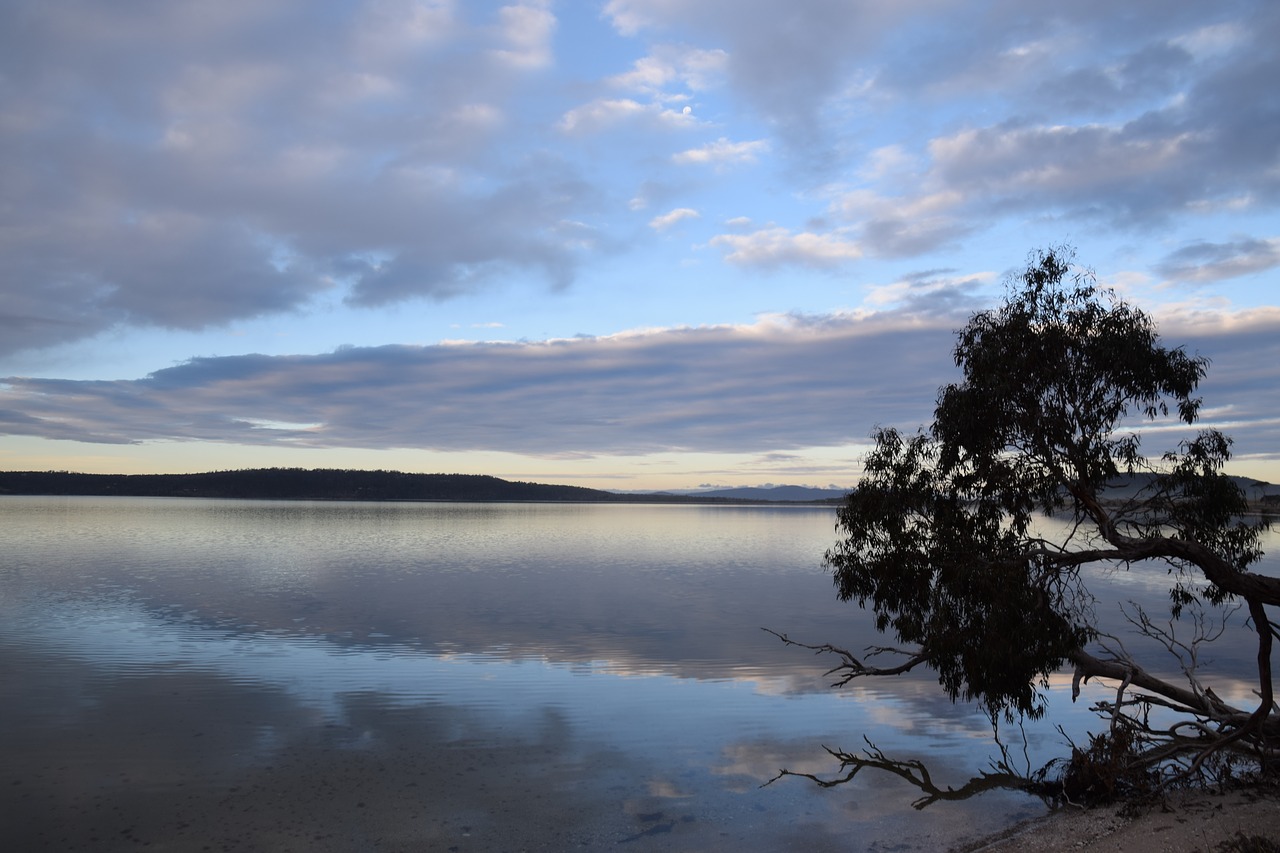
[(722, 152), (606, 113), (627, 18), (666, 220), (601, 113), (485, 117), (775, 247), (930, 288), (1176, 92), (1131, 174), (658, 87), (527, 31), (788, 65), (392, 29), (887, 161), (694, 68), (648, 74), (1212, 40)]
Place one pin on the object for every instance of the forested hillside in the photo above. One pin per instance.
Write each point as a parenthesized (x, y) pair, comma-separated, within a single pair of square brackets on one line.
[(295, 483)]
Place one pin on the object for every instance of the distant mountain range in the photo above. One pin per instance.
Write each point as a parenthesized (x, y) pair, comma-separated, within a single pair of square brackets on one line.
[(1130, 486), (1126, 487), (357, 485), (774, 493)]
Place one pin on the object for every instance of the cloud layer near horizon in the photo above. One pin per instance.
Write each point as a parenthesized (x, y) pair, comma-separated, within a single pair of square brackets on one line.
[(785, 383)]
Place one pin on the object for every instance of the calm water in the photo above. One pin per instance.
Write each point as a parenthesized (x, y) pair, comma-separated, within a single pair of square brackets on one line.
[(235, 675)]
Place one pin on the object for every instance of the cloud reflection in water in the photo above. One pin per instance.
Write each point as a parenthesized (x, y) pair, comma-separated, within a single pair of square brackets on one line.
[(328, 676)]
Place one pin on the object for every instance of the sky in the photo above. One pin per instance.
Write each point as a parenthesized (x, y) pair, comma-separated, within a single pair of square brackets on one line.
[(635, 244)]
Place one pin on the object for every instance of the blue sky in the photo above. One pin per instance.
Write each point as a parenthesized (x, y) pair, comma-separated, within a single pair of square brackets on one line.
[(625, 244)]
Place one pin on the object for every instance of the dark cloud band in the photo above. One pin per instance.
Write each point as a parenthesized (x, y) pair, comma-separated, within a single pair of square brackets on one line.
[(779, 385)]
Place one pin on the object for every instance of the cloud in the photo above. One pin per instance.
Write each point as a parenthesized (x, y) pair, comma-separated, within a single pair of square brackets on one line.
[(1138, 172), (1204, 262), (1244, 351), (932, 292), (666, 220), (185, 166), (903, 226), (721, 389), (605, 113), (189, 167), (392, 29), (765, 388), (1177, 161), (527, 30), (653, 94), (1152, 71), (1213, 39), (776, 247), (779, 385), (1093, 116), (722, 152), (695, 69), (788, 63), (1200, 154)]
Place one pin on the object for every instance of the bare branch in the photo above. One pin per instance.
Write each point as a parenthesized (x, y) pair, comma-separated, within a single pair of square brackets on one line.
[(917, 774), (851, 666)]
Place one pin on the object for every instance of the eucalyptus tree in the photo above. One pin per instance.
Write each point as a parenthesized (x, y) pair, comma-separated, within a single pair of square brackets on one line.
[(941, 539)]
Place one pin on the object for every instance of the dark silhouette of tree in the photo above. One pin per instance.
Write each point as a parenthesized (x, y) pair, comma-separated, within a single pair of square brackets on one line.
[(939, 540)]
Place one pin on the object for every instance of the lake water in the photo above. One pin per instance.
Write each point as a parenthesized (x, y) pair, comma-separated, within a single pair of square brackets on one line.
[(194, 675)]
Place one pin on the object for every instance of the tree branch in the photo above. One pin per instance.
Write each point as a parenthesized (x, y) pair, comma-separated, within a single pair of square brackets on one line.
[(851, 666), (917, 774)]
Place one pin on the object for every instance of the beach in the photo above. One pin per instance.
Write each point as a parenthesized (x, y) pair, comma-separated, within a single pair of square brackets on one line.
[(1185, 822)]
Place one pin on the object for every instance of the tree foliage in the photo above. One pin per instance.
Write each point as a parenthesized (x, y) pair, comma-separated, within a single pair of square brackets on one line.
[(939, 540)]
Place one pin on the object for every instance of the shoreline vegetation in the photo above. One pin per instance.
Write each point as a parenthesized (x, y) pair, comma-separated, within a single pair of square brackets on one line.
[(330, 484)]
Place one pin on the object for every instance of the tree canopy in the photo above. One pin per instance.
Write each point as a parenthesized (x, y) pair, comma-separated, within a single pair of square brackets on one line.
[(940, 539)]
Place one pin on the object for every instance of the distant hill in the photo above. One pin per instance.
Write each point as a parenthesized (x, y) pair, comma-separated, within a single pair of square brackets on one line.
[(775, 493), (1122, 488), (355, 485), (1129, 486), (295, 483)]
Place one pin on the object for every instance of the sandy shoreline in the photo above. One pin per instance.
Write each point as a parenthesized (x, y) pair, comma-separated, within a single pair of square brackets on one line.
[(1186, 823)]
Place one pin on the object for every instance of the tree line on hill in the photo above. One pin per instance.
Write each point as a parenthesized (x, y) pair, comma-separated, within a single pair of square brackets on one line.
[(295, 484), (322, 484)]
